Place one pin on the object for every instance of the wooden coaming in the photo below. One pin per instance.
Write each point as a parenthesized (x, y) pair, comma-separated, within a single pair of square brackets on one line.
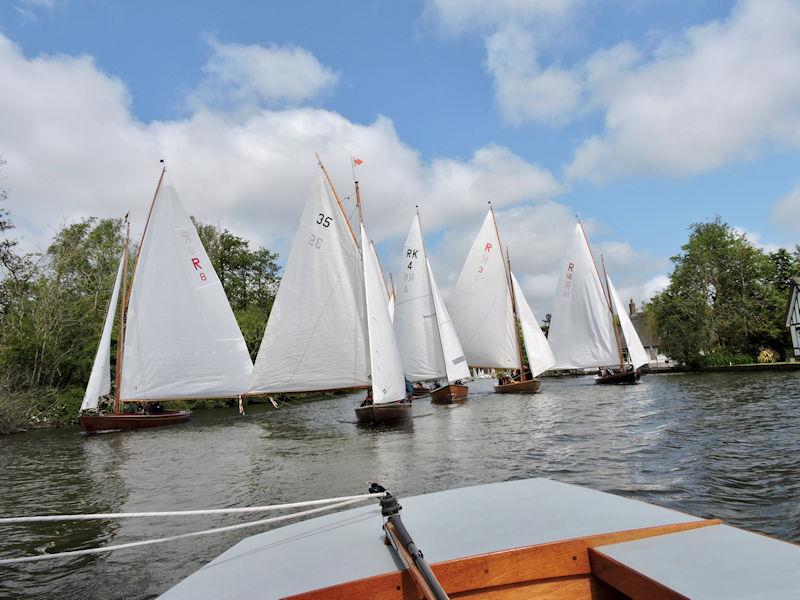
[(556, 570)]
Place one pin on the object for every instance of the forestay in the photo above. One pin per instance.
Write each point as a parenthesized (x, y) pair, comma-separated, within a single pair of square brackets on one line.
[(636, 352), (581, 330), (316, 336), (100, 377), (540, 357), (182, 340), (481, 304), (415, 323), (386, 367), (453, 354)]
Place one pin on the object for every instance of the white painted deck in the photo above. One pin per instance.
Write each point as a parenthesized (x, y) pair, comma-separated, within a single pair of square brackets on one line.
[(349, 545)]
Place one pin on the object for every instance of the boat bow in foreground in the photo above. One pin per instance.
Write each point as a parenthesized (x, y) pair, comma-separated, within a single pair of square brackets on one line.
[(533, 538)]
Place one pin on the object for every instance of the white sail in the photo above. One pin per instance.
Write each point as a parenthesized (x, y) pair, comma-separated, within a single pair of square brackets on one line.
[(481, 304), (316, 335), (390, 306), (581, 330), (540, 357), (454, 360), (182, 340), (636, 351), (100, 377), (416, 326), (386, 367), (389, 297)]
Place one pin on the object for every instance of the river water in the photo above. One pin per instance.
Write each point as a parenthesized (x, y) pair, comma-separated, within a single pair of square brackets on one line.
[(714, 445)]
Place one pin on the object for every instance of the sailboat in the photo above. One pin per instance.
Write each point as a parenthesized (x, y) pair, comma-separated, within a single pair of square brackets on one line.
[(486, 304), (329, 328), (178, 338), (425, 332), (586, 320)]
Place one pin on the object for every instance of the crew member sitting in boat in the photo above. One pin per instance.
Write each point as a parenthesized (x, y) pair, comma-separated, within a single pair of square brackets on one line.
[(409, 390), (368, 400)]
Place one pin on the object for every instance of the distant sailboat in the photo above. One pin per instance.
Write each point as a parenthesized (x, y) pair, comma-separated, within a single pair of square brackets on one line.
[(425, 332), (485, 305), (327, 329), (178, 337), (583, 326)]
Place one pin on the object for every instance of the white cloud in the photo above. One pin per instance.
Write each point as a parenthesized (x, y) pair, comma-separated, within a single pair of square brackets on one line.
[(249, 76), (755, 238), (462, 16), (786, 211)]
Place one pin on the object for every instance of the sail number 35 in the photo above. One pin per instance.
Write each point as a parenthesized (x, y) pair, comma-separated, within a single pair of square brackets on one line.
[(315, 240)]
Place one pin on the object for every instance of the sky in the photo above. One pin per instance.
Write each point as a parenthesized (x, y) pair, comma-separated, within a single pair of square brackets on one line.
[(640, 117)]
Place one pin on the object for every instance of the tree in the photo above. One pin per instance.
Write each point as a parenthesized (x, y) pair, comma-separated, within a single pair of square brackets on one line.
[(722, 298)]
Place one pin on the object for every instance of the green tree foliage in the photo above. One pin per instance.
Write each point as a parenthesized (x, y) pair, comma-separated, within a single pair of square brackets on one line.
[(250, 278), (725, 300)]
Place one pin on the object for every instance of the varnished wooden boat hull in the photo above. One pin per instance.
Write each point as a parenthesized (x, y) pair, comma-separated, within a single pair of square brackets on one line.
[(628, 377), (376, 414), (447, 394), (420, 392), (531, 386), (126, 421)]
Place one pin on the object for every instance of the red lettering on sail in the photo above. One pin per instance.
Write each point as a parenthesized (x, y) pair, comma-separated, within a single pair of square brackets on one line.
[(487, 247), (196, 263)]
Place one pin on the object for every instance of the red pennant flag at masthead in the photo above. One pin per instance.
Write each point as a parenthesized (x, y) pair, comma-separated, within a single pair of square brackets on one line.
[(357, 161)]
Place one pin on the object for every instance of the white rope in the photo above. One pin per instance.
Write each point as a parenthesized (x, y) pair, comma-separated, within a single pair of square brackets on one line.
[(182, 513), (38, 557)]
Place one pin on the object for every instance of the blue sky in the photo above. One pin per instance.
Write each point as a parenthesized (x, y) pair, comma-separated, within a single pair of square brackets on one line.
[(640, 116)]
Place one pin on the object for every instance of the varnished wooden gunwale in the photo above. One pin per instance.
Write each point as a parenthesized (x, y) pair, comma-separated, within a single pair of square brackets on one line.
[(515, 568), (630, 582), (529, 386), (448, 394)]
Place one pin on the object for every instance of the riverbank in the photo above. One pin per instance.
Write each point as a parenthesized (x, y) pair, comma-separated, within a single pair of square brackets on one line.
[(744, 368)]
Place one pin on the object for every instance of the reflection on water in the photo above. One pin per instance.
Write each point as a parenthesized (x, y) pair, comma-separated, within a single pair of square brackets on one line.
[(721, 445)]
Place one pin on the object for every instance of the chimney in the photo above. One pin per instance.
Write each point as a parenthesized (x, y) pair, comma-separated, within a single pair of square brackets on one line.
[(632, 307)]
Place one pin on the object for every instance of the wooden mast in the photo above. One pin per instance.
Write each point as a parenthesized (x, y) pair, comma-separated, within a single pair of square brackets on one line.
[(507, 265), (613, 320), (122, 311), (126, 296), (338, 200)]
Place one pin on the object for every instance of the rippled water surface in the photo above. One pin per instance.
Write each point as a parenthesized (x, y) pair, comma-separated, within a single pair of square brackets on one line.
[(714, 445)]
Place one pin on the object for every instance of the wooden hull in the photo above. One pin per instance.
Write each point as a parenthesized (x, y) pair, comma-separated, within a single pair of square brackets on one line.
[(531, 386), (126, 421), (420, 391), (629, 377), (447, 394), (376, 414)]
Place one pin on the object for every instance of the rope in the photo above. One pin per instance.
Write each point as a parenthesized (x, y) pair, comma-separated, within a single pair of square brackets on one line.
[(38, 557), (181, 513)]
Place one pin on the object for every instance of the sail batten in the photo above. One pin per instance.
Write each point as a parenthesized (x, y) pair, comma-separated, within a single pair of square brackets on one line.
[(581, 331), (319, 307), (481, 305), (182, 340), (100, 378), (540, 356)]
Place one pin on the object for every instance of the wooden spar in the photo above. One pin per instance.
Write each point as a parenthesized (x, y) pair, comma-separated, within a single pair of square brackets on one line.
[(338, 200), (522, 376), (613, 320), (391, 280), (122, 311), (438, 331), (511, 292), (358, 203)]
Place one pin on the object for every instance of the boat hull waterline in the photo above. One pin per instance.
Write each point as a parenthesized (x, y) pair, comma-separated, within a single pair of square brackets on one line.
[(125, 421), (448, 394), (391, 412), (530, 386), (627, 378)]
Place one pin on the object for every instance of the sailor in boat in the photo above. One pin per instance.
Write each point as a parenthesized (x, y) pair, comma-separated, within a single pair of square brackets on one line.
[(368, 400)]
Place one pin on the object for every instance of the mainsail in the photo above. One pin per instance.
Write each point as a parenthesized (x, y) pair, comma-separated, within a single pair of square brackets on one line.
[(540, 357), (481, 304), (316, 336), (636, 351), (581, 327), (100, 377), (182, 340), (416, 325), (386, 367)]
